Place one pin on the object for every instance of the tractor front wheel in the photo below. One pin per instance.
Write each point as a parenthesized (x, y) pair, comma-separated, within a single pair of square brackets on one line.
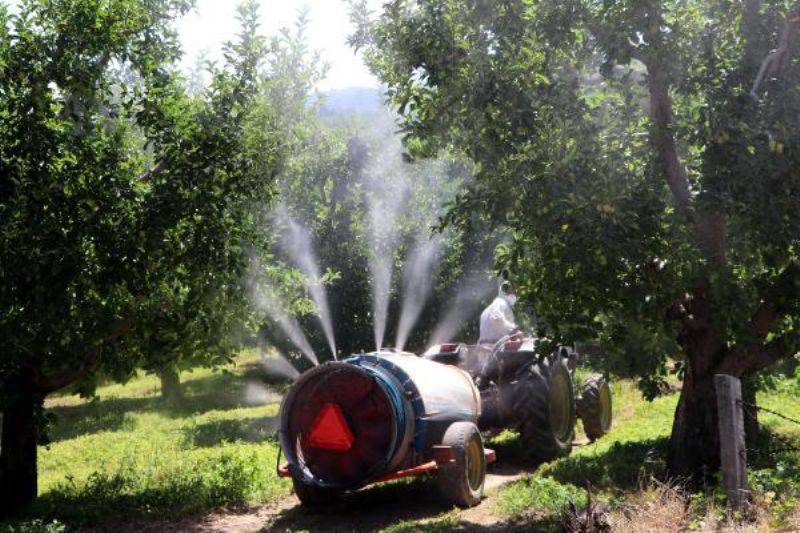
[(461, 482), (594, 407)]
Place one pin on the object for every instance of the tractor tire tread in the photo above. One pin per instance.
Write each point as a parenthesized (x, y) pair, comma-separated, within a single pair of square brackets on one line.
[(590, 408), (533, 400)]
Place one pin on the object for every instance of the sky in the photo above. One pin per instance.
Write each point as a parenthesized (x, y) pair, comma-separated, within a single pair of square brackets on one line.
[(214, 21)]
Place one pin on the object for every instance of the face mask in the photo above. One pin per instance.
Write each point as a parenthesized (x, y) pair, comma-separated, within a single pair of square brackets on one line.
[(511, 299)]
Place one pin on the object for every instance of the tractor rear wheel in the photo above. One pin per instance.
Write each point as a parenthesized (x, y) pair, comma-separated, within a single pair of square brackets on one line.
[(461, 482), (313, 495), (594, 407), (546, 398)]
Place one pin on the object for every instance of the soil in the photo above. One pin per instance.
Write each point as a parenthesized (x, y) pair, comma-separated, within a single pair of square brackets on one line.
[(373, 508)]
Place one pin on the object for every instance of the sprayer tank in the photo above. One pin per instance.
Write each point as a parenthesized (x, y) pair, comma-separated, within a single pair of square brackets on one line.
[(345, 423)]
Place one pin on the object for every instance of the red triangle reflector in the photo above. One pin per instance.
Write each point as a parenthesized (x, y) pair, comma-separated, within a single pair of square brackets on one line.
[(330, 430)]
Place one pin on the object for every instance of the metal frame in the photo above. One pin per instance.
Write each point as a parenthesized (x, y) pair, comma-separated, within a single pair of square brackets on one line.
[(442, 455)]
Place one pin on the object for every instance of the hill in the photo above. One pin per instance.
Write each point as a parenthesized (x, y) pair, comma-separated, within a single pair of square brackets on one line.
[(352, 101)]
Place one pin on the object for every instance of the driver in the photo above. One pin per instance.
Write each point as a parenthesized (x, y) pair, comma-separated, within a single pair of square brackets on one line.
[(497, 320)]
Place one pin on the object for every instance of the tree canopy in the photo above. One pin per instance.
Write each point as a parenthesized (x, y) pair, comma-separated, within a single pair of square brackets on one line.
[(646, 169), (124, 203)]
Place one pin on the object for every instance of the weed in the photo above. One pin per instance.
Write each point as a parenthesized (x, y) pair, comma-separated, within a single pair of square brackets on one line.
[(442, 524), (538, 494), (34, 526)]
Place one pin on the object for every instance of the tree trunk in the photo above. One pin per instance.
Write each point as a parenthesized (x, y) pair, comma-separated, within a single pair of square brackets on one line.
[(170, 385), (752, 429), (694, 443), (18, 481)]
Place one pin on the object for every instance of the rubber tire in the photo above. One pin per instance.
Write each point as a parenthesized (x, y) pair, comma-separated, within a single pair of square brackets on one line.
[(591, 410), (314, 496), (533, 399), (453, 479)]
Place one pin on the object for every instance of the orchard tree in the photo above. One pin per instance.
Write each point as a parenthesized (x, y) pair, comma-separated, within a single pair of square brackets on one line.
[(338, 168), (118, 201), (203, 319), (644, 156)]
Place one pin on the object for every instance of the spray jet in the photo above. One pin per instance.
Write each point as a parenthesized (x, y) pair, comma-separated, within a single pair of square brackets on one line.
[(473, 289), (297, 243), (266, 300), (418, 273)]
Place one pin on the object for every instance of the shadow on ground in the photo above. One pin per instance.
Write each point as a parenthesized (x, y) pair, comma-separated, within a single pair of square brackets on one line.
[(400, 506), (247, 430), (623, 466), (404, 505), (416, 505), (218, 391), (772, 448)]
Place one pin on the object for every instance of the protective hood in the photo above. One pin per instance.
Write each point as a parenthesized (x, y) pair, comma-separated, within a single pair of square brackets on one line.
[(510, 299)]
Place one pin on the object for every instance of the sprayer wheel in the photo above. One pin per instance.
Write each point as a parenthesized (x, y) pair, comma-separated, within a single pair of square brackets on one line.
[(312, 495), (461, 482)]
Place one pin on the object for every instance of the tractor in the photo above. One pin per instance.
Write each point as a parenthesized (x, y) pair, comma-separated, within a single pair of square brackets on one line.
[(531, 393)]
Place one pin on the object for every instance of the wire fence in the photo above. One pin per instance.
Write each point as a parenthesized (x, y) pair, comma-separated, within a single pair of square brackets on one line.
[(784, 445)]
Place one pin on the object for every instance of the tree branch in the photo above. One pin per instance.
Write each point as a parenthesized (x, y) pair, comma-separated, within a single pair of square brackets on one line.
[(776, 61), (764, 357), (709, 223), (155, 171), (46, 384), (757, 354), (661, 115)]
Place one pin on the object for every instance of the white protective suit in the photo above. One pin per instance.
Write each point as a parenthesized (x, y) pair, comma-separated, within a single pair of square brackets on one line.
[(497, 320)]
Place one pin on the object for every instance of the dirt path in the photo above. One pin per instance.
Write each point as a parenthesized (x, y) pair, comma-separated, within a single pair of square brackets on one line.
[(372, 509)]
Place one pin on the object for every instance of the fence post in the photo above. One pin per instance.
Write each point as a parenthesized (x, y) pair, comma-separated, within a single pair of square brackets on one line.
[(731, 439)]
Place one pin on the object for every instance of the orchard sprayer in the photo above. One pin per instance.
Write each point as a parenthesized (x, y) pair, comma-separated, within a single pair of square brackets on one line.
[(385, 415)]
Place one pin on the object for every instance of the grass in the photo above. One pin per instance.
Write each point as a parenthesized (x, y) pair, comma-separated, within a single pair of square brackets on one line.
[(440, 524), (128, 453), (775, 476), (783, 398), (621, 468), (539, 494), (631, 451)]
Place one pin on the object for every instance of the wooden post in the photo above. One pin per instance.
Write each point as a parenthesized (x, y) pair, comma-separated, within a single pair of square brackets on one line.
[(731, 439)]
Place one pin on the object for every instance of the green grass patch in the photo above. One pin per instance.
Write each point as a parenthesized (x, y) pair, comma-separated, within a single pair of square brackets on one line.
[(634, 448), (623, 461), (440, 524), (774, 466), (128, 453), (234, 474), (538, 495), (784, 398)]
